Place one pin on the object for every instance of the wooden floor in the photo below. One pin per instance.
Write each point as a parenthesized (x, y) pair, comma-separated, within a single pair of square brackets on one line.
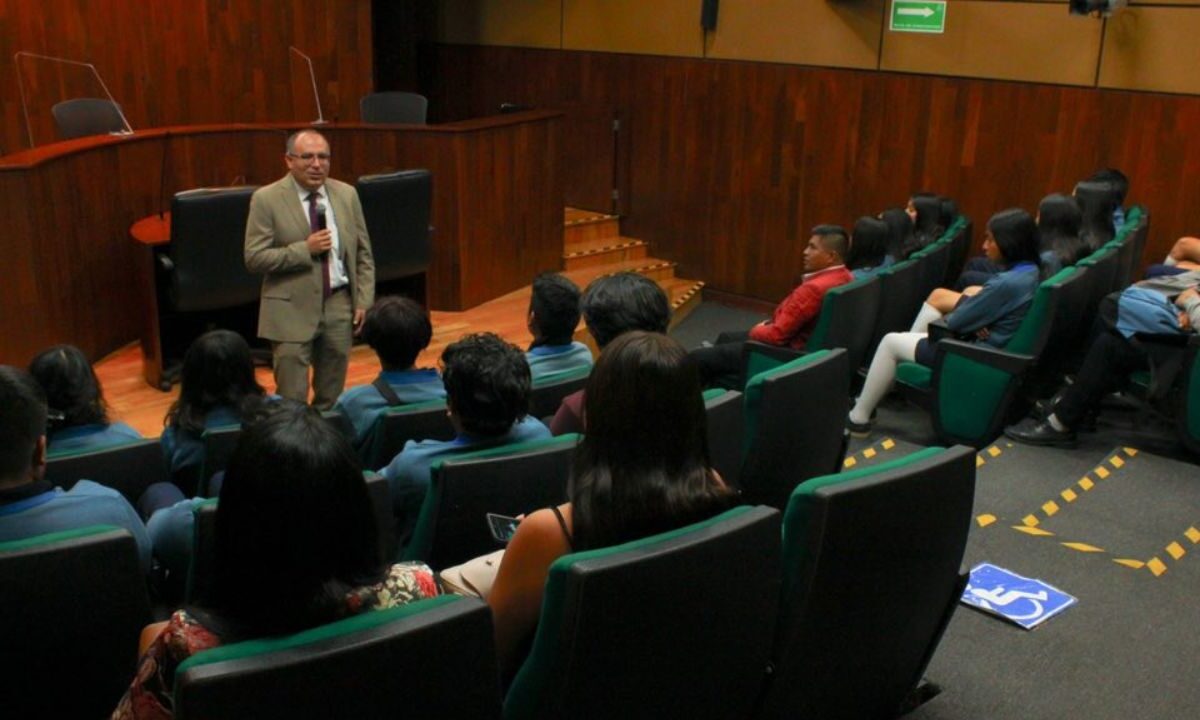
[(592, 247)]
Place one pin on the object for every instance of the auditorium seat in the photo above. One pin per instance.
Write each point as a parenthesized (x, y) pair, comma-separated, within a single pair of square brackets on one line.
[(73, 604), (901, 292), (419, 421), (795, 415), (129, 468), (549, 390), (871, 576), (397, 207), (507, 480), (847, 321), (393, 107), (674, 625), (432, 658), (81, 117), (725, 410)]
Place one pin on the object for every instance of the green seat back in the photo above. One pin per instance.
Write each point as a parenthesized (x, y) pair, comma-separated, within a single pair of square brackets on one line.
[(828, 321), (762, 368)]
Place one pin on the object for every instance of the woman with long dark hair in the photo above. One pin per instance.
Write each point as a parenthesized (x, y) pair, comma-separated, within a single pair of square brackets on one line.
[(296, 547), (925, 210), (900, 230), (989, 314), (641, 469), (1059, 219), (77, 415), (868, 247), (1098, 201)]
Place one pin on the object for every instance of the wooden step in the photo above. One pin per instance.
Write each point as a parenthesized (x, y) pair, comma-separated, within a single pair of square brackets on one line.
[(584, 226), (685, 296), (602, 252), (652, 268)]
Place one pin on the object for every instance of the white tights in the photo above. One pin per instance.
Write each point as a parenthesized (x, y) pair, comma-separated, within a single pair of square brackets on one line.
[(894, 349)]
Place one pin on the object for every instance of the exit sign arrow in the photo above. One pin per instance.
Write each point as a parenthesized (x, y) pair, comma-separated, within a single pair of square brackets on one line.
[(920, 16)]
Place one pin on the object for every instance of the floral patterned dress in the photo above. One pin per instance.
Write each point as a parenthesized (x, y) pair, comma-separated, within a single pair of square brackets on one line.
[(149, 695)]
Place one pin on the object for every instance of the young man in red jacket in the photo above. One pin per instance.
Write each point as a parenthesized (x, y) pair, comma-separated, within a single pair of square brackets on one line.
[(794, 318)]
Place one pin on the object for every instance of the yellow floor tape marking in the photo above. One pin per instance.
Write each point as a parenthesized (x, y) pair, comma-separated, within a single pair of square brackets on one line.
[(1131, 451), (1176, 551), (1050, 508), (1156, 566), (1030, 520), (869, 453), (849, 462), (1068, 495), (1082, 547), (1193, 534), (1101, 472), (1033, 531), (1086, 483), (994, 451), (985, 520), (979, 462), (1135, 564), (888, 444), (1116, 461)]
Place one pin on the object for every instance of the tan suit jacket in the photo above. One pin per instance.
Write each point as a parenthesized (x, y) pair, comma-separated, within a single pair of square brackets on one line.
[(291, 290)]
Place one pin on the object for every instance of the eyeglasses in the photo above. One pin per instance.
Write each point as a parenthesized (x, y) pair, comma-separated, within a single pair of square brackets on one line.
[(308, 157)]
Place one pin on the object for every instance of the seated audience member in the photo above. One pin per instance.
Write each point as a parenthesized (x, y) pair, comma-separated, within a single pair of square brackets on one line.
[(1098, 202), (925, 211), (397, 329), (29, 504), (794, 318), (991, 314), (296, 547), (216, 389), (1183, 257), (487, 394), (553, 316), (641, 469), (868, 248), (1119, 184), (900, 230), (78, 414), (1059, 220), (949, 212), (613, 305), (1112, 357)]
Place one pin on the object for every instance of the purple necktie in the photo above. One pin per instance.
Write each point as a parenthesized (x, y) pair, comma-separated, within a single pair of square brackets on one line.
[(315, 224)]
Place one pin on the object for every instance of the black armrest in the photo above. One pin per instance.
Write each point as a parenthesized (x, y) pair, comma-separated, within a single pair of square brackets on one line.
[(776, 351), (1011, 363), (939, 330)]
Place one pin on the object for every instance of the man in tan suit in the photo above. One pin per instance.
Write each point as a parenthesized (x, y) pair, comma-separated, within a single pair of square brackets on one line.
[(307, 236)]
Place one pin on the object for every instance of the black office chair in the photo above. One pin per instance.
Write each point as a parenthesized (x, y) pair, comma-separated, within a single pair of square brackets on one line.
[(393, 107), (87, 116), (397, 208), (129, 469), (206, 257), (73, 604), (350, 668)]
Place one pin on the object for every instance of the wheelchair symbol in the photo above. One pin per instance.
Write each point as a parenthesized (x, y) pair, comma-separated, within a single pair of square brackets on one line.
[(1001, 598)]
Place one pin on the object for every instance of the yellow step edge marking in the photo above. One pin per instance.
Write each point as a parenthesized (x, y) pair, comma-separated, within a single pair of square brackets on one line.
[(1030, 521), (1158, 567), (1116, 461), (888, 443), (869, 453), (1050, 508), (1086, 483), (1192, 534), (1101, 472), (1033, 531), (1082, 547), (979, 462), (1068, 495), (849, 462), (993, 451), (1130, 451), (1135, 564), (1176, 551), (985, 520)]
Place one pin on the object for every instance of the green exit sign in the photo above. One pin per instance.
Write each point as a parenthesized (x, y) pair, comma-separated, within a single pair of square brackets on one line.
[(923, 16)]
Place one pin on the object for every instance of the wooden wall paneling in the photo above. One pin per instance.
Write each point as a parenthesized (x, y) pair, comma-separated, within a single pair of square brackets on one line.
[(177, 62), (1037, 42), (731, 163), (523, 23), (665, 27), (808, 32), (1152, 48)]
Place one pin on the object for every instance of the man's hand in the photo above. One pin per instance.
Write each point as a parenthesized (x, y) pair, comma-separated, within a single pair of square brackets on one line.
[(359, 316), (319, 242), (1185, 296)]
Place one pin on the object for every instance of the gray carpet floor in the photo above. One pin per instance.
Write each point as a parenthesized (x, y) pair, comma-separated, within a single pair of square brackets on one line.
[(1128, 493)]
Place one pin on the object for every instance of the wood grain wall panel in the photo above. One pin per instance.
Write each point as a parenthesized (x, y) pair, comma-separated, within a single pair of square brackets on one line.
[(1152, 48), (730, 164), (522, 23), (808, 32), (1037, 42), (174, 62), (665, 27)]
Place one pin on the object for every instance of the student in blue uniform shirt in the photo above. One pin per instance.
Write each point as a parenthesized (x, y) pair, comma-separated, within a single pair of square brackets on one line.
[(487, 393), (397, 329), (29, 505), (78, 415), (553, 316)]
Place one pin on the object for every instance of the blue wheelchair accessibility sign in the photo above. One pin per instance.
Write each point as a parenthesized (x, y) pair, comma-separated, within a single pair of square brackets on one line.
[(1024, 601)]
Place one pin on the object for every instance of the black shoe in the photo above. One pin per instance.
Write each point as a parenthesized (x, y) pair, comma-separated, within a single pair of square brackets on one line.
[(1040, 432), (858, 430), (1043, 409)]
